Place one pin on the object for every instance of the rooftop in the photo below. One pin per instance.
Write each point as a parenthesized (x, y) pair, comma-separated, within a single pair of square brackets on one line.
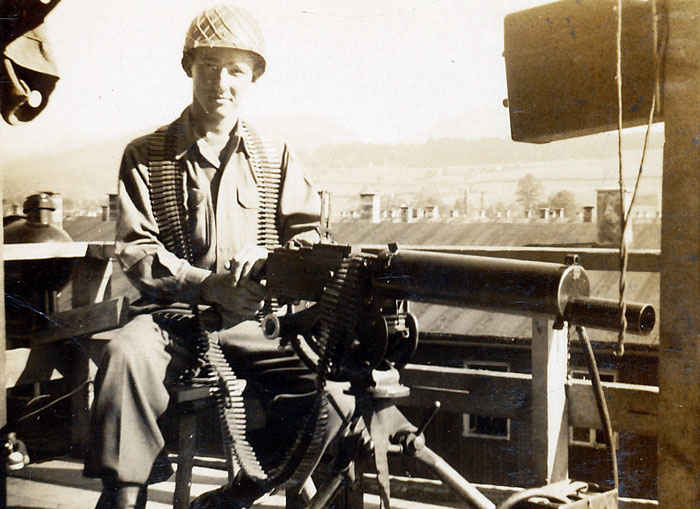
[(641, 286)]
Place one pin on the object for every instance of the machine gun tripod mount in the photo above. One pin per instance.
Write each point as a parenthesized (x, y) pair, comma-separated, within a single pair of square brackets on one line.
[(356, 325)]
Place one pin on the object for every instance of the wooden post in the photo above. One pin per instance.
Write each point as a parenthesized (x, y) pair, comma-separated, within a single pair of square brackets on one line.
[(550, 427), (3, 392), (679, 386), (91, 284), (187, 430)]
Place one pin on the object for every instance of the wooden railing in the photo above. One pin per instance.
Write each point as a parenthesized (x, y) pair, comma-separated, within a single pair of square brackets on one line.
[(548, 398)]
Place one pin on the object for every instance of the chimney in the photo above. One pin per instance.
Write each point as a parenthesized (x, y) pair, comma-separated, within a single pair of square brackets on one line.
[(432, 212), (113, 206), (370, 207), (325, 219), (55, 201), (406, 214)]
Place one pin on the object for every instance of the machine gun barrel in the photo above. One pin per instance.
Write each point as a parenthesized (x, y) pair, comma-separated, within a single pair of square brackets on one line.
[(605, 314), (504, 285)]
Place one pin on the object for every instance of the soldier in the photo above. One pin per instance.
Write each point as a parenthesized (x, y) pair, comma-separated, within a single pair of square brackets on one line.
[(187, 236)]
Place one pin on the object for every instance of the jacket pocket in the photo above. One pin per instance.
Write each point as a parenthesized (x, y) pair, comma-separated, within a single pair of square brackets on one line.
[(248, 197)]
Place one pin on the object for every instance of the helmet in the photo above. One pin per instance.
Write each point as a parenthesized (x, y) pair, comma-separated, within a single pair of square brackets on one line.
[(225, 26)]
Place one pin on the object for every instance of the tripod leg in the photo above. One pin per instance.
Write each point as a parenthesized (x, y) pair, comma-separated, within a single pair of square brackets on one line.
[(326, 494), (298, 498), (352, 494), (451, 477)]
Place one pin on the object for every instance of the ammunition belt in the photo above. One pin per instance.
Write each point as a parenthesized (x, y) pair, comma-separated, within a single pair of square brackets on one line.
[(340, 306), (166, 189), (167, 201)]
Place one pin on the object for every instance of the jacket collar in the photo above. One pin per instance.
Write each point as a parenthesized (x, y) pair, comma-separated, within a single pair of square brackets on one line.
[(187, 138)]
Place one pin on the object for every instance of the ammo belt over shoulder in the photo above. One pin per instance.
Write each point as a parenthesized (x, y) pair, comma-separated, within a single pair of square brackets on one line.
[(167, 184)]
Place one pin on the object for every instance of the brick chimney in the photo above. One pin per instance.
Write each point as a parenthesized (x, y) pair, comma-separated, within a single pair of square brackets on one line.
[(608, 220), (370, 207)]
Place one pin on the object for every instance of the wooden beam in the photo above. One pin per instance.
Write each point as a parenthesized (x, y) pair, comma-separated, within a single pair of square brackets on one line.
[(79, 321), (679, 351), (550, 425), (633, 408), (640, 260), (43, 250)]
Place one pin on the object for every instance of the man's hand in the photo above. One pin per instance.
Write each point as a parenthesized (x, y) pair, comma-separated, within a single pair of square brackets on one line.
[(248, 263), (237, 291)]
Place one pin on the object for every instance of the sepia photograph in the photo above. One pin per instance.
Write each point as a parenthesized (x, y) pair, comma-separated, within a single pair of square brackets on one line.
[(328, 254)]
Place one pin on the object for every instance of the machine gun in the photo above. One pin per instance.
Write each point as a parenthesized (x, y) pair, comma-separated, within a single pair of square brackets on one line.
[(364, 297), (356, 325)]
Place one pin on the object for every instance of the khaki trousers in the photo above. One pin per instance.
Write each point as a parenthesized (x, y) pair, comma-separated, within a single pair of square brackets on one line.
[(131, 394)]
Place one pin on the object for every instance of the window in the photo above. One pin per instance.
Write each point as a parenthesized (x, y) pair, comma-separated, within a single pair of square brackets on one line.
[(590, 437), (479, 426)]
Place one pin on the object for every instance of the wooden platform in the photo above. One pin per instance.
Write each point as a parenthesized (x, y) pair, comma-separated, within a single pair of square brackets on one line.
[(59, 484)]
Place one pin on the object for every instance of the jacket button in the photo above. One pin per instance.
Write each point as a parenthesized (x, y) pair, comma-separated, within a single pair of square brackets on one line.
[(227, 265)]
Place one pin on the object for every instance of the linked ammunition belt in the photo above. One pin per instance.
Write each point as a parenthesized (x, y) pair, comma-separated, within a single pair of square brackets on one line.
[(166, 189), (340, 306), (167, 201)]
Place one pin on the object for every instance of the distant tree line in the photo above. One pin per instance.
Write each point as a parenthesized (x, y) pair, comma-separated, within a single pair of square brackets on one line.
[(443, 152), (529, 196)]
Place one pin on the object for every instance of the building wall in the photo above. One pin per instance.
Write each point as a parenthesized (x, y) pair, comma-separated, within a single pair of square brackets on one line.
[(506, 462)]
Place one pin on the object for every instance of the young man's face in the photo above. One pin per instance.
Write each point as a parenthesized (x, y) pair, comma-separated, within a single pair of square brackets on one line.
[(220, 79)]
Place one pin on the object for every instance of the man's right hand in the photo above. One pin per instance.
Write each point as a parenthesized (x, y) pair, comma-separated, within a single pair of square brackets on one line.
[(243, 299)]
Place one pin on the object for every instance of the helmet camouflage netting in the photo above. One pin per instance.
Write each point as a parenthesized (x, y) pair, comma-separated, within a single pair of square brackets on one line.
[(226, 26)]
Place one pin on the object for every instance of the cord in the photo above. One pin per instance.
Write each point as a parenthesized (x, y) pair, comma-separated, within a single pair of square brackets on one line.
[(599, 399), (626, 212), (52, 403)]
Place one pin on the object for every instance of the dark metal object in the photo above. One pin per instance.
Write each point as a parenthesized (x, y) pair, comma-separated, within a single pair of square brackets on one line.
[(602, 313), (387, 332), (563, 495), (506, 286), (493, 284), (28, 74), (30, 284)]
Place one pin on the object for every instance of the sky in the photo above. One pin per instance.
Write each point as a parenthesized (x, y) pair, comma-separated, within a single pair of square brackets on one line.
[(386, 71)]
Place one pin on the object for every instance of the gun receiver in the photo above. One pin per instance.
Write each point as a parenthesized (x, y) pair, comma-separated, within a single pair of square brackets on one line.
[(376, 298)]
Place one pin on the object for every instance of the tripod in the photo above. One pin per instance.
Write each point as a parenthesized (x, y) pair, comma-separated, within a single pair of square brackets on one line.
[(390, 432)]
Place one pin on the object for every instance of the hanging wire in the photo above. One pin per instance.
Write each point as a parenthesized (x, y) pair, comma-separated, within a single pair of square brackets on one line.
[(52, 403), (626, 212), (602, 405), (621, 183)]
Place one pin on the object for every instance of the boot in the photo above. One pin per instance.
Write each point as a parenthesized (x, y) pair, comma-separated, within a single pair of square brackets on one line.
[(240, 494), (122, 496)]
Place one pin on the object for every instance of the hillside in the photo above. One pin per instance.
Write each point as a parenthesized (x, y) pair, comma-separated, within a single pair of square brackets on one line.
[(446, 166)]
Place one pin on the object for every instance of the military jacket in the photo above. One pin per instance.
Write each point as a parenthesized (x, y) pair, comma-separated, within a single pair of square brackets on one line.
[(221, 203)]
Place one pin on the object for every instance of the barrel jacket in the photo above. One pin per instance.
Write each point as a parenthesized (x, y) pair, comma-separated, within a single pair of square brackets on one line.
[(221, 203)]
